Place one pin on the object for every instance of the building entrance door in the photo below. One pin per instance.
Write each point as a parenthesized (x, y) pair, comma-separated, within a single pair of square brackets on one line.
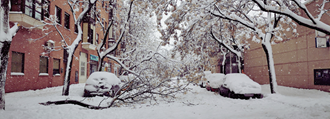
[(82, 67), (93, 66)]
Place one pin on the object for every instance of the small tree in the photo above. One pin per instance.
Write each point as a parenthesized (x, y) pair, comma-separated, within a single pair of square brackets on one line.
[(78, 16)]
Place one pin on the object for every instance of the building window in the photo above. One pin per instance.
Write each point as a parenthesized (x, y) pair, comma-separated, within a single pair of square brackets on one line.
[(45, 7), (56, 66), (17, 62), (67, 20), (109, 68), (58, 14), (75, 28), (97, 39), (90, 37), (34, 8), (82, 69), (65, 56), (29, 7), (43, 68), (38, 9)]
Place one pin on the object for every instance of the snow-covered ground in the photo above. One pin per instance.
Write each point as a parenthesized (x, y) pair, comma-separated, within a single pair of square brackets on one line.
[(199, 104)]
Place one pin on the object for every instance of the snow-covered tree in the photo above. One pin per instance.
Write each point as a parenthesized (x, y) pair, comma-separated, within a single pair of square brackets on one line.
[(75, 7), (296, 9), (192, 28), (6, 35), (142, 56), (196, 18), (137, 33), (232, 40), (79, 10), (270, 28)]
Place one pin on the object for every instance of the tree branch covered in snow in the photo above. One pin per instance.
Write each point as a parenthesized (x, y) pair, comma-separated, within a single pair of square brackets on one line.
[(283, 8), (68, 47), (142, 58)]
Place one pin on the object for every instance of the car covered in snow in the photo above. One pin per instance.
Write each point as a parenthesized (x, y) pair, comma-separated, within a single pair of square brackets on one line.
[(239, 85), (102, 83), (203, 82), (214, 81)]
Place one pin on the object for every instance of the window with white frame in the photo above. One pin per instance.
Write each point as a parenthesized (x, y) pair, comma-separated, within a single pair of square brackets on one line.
[(17, 62), (56, 66), (43, 66)]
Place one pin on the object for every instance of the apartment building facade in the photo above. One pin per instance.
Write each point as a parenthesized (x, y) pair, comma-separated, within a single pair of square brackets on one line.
[(31, 64), (300, 62)]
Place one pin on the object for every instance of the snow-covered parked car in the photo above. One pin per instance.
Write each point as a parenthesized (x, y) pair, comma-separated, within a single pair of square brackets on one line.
[(203, 82), (102, 83), (214, 81), (239, 85)]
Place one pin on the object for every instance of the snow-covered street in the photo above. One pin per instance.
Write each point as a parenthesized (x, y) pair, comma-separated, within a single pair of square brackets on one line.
[(290, 104)]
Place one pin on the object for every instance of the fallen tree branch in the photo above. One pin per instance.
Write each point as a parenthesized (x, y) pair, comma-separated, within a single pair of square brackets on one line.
[(74, 102)]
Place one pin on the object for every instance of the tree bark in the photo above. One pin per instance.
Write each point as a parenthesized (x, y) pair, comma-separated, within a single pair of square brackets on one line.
[(223, 65), (66, 84), (5, 41), (101, 59), (271, 69), (4, 50)]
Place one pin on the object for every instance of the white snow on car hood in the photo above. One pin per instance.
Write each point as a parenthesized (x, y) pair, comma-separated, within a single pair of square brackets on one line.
[(241, 84), (215, 79), (101, 78)]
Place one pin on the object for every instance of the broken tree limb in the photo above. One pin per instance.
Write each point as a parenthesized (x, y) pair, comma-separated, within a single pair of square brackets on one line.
[(74, 102)]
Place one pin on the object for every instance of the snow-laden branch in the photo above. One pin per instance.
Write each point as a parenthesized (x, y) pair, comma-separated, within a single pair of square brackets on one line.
[(114, 47), (308, 22), (122, 65), (322, 10), (233, 17), (225, 45), (13, 30)]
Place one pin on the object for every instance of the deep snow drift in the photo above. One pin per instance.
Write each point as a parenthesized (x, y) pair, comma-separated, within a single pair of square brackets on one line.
[(198, 104)]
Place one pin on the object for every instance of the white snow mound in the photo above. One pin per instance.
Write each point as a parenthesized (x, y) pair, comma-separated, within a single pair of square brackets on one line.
[(102, 78), (215, 79), (128, 77), (241, 84)]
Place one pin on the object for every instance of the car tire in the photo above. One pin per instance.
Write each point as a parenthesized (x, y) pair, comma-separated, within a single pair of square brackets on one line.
[(87, 94), (258, 96)]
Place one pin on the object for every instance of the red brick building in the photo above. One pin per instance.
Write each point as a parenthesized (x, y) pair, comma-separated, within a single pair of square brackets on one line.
[(30, 68)]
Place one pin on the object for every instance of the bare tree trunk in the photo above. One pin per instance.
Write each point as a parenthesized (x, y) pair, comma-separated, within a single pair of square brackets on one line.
[(4, 50), (223, 64), (100, 63), (271, 69), (239, 65), (72, 48), (269, 54), (5, 41), (66, 84)]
